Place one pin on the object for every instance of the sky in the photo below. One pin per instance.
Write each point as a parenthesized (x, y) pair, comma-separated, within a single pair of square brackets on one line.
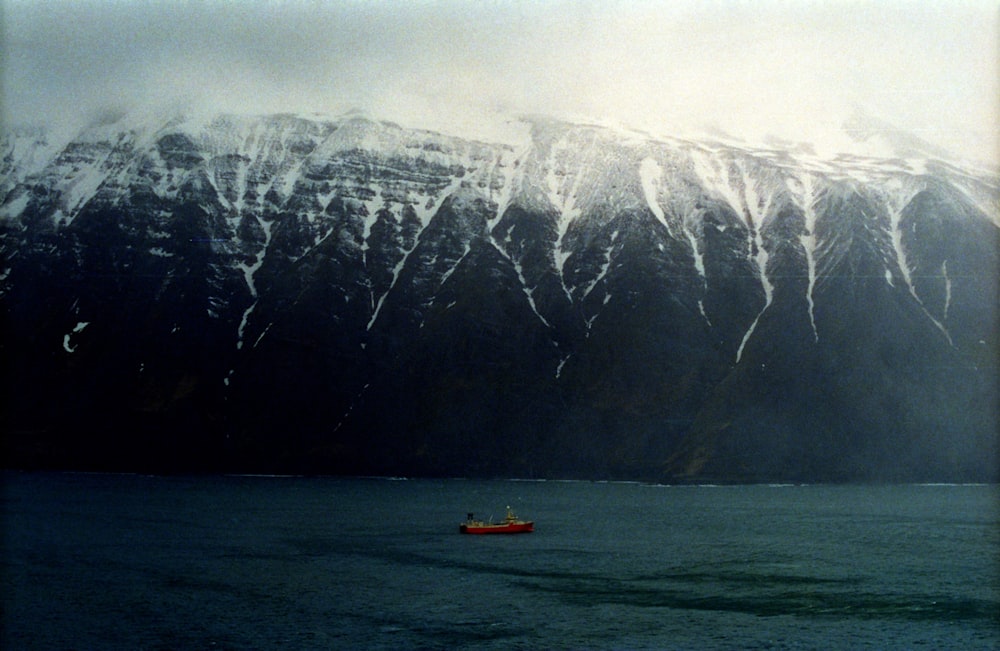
[(794, 69)]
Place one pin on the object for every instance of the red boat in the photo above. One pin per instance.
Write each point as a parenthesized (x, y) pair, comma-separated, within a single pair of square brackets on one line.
[(510, 524)]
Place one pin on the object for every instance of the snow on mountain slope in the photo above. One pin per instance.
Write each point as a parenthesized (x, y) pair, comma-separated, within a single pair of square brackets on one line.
[(579, 176), (647, 276)]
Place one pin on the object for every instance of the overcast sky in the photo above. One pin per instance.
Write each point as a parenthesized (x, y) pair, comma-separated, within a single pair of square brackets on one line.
[(783, 66)]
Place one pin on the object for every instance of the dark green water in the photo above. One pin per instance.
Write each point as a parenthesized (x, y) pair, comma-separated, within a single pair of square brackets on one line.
[(132, 562)]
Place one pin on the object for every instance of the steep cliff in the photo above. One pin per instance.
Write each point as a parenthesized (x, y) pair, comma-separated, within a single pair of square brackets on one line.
[(289, 293)]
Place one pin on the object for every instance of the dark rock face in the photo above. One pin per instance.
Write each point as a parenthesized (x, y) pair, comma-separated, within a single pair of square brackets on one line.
[(289, 295)]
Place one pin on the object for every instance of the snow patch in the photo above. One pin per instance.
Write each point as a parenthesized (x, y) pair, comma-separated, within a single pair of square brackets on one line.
[(563, 198), (650, 174), (451, 270), (751, 202), (699, 259), (701, 308), (66, 338), (249, 271), (756, 210), (713, 177), (896, 200), (528, 292), (562, 363), (425, 208), (15, 207), (261, 336), (947, 288), (83, 187), (806, 196), (604, 268), (506, 160)]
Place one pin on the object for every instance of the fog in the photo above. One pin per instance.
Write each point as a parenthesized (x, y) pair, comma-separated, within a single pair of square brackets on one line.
[(794, 69)]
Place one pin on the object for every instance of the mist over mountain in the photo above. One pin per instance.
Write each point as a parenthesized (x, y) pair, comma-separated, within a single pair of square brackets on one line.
[(288, 293)]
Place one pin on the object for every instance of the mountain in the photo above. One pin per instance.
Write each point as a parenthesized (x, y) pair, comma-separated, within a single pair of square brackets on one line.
[(343, 295)]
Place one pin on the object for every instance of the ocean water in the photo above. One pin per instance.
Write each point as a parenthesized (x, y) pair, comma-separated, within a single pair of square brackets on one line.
[(136, 562)]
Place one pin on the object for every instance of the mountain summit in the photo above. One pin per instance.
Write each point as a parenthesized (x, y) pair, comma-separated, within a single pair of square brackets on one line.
[(297, 294)]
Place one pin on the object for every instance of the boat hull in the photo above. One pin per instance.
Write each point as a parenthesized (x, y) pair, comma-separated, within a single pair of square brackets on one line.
[(506, 527)]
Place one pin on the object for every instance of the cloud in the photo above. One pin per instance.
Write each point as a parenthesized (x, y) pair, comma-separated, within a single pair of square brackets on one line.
[(776, 65)]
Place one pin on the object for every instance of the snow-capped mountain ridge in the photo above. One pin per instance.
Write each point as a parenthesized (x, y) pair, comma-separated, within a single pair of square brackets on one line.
[(244, 138), (641, 279), (285, 162)]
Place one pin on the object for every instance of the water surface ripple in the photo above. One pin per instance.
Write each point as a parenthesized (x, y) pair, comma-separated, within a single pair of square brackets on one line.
[(126, 561)]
